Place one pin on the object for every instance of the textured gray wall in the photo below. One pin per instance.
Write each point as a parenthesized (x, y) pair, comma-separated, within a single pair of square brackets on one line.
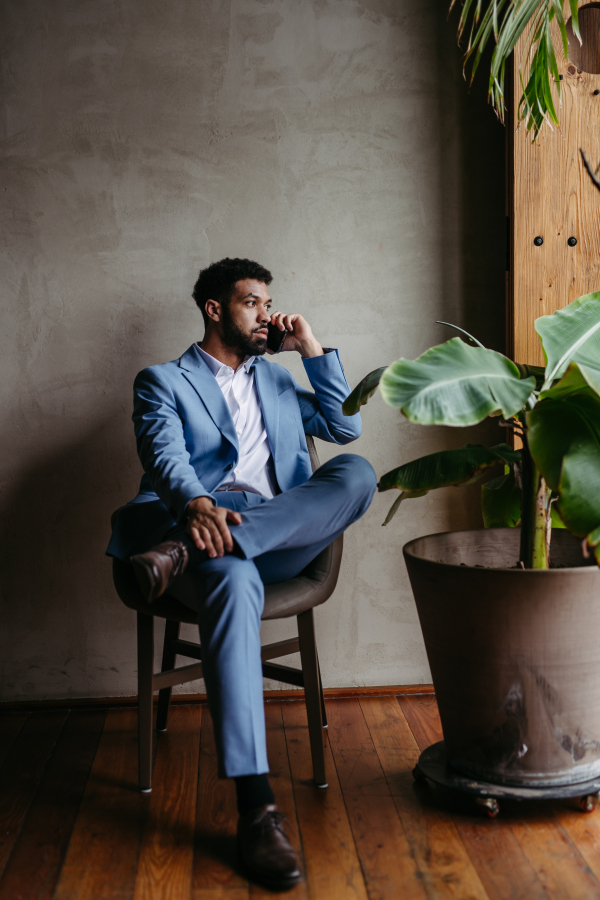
[(334, 141)]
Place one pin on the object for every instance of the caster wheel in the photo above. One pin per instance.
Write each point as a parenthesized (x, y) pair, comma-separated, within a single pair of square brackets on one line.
[(490, 806), (418, 775), (588, 804)]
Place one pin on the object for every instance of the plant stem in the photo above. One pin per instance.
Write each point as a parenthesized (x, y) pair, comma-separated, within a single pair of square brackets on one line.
[(536, 522)]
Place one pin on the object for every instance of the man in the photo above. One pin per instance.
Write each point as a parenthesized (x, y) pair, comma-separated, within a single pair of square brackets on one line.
[(228, 489)]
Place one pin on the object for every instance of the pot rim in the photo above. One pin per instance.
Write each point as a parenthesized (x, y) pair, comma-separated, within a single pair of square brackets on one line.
[(408, 550)]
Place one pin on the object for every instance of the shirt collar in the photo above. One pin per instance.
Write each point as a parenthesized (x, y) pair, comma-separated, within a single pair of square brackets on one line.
[(216, 366)]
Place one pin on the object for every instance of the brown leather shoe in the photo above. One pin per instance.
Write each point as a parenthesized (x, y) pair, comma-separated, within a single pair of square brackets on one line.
[(265, 849), (158, 568)]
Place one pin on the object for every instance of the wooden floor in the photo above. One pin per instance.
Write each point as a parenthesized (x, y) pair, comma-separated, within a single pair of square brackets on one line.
[(74, 827)]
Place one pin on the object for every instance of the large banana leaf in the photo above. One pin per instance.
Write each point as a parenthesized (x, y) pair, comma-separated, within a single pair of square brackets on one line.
[(501, 501), (448, 467), (572, 335), (564, 440), (363, 392), (454, 384)]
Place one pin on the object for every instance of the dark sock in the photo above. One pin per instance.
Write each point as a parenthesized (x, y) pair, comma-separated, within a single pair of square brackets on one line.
[(252, 791)]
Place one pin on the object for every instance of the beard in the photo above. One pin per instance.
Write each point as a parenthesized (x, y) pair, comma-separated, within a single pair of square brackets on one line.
[(241, 341)]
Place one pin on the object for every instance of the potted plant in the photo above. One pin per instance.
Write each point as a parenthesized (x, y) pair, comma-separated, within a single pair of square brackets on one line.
[(511, 615)]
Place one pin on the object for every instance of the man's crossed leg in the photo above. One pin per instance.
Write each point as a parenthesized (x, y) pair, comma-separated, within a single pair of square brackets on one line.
[(275, 541)]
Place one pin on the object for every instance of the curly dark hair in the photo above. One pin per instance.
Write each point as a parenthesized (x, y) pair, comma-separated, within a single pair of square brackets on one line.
[(218, 281)]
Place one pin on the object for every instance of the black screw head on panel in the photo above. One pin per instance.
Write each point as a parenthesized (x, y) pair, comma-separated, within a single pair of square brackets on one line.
[(538, 241), (572, 241), (596, 92)]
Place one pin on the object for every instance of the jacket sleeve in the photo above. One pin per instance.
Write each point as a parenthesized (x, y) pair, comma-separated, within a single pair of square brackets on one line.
[(161, 443), (322, 414)]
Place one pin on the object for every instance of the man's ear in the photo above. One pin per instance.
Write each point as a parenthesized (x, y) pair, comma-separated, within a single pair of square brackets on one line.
[(213, 310)]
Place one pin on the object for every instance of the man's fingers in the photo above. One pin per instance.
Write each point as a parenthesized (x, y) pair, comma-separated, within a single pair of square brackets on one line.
[(195, 536), (216, 537), (208, 544), (224, 531), (234, 517)]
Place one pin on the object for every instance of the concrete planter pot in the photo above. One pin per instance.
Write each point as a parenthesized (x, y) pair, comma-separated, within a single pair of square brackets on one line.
[(514, 655)]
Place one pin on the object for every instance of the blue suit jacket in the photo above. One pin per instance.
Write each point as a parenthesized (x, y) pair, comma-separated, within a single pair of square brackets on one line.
[(187, 443)]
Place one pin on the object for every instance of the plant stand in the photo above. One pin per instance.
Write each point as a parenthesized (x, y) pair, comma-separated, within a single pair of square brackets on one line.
[(433, 766)]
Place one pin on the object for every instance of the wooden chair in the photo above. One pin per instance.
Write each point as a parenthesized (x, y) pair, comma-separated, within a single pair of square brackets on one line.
[(296, 597)]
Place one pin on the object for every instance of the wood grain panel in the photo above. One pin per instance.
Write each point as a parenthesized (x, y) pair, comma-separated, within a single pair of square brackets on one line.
[(439, 851), (22, 772), (166, 856), (47, 828), (103, 851), (332, 866), (552, 197), (383, 848)]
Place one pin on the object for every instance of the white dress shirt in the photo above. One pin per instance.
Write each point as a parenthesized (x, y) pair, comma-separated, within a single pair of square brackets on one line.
[(252, 472)]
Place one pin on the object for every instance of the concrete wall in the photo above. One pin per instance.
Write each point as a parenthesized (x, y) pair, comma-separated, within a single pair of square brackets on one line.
[(334, 141)]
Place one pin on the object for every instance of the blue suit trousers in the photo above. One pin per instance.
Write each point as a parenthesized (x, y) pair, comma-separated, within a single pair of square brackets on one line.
[(277, 538)]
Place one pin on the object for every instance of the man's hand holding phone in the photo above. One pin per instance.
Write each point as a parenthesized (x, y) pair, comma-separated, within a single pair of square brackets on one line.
[(292, 332)]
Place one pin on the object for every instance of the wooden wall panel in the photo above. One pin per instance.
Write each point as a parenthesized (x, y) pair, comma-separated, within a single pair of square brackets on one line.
[(551, 196)]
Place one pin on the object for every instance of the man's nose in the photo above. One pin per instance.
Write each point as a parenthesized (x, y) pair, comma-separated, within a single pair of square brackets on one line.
[(264, 316)]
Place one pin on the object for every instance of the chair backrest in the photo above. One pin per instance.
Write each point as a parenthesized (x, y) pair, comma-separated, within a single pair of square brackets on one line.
[(314, 459)]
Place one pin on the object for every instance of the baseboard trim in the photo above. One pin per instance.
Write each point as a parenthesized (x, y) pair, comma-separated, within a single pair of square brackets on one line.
[(388, 690)]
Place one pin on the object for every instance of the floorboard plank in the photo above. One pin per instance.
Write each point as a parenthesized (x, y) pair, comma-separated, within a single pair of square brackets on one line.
[(215, 854), (10, 726), (584, 830), (166, 857), (489, 844), (383, 848), (102, 857), (281, 781), (21, 773), (439, 852), (47, 828), (422, 715), (332, 866), (559, 866)]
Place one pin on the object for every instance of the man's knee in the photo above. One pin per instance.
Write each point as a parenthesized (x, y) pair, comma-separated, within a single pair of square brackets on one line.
[(358, 473)]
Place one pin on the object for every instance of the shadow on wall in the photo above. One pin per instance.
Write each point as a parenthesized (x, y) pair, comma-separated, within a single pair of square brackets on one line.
[(56, 582)]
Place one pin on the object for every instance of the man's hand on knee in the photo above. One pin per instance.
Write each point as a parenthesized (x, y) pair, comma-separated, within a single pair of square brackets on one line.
[(207, 526)]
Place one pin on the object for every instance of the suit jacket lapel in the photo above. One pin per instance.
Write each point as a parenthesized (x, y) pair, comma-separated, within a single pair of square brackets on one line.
[(267, 394), (204, 382)]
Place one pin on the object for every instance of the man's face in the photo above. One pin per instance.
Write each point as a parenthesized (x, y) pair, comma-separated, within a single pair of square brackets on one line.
[(246, 316)]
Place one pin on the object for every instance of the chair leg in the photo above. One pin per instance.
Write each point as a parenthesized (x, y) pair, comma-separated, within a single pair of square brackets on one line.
[(145, 644), (312, 694), (323, 711), (168, 662)]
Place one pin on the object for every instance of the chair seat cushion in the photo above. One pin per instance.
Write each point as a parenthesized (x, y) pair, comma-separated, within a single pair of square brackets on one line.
[(286, 598)]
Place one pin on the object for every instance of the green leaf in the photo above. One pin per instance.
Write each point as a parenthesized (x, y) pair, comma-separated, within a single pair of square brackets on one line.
[(403, 495), (454, 384), (526, 371), (572, 382), (362, 392), (447, 467), (501, 501), (564, 440), (557, 522), (571, 335), (503, 23)]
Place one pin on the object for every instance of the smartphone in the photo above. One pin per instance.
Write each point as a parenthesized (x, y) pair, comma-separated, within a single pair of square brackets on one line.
[(275, 338)]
